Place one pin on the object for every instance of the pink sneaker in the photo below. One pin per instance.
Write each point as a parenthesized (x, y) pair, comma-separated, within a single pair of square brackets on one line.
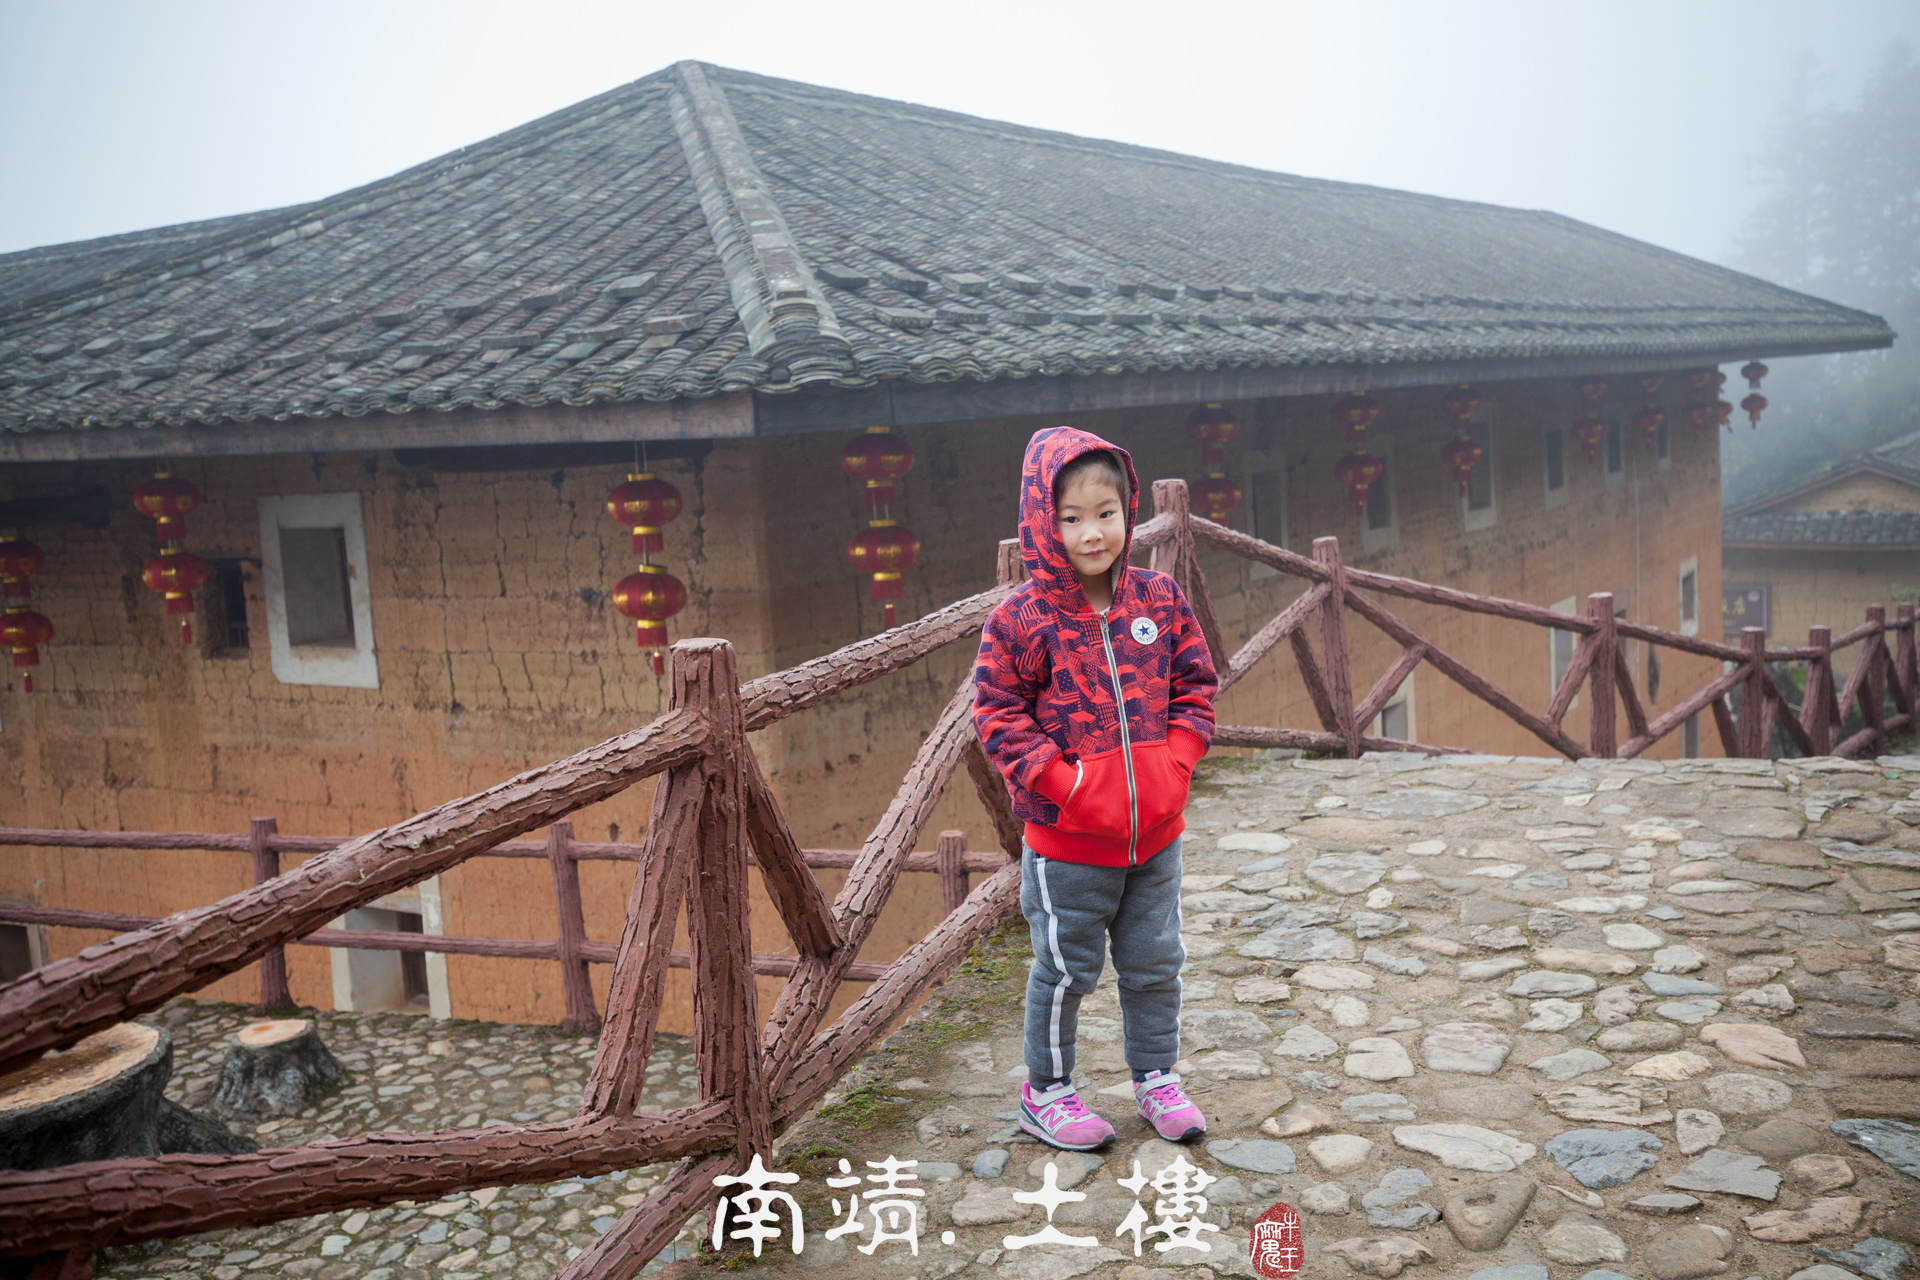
[(1166, 1106), (1058, 1118)]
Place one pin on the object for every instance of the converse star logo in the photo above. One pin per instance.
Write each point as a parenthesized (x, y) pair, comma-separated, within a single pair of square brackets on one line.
[(1143, 631)]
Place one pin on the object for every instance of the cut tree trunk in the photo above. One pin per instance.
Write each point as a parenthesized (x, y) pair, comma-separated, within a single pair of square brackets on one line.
[(102, 1099), (275, 1069)]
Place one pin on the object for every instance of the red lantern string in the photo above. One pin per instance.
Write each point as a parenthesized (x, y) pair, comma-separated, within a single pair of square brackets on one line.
[(1650, 419), (22, 630), (1755, 404), (1462, 453), (644, 503), (175, 573), (1359, 471), (1212, 428), (885, 549), (1590, 428)]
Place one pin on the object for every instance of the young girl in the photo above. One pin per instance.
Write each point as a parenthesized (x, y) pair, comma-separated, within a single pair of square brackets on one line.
[(1094, 696)]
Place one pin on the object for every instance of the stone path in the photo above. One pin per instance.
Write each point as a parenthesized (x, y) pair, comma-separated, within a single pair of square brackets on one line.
[(1476, 1017)]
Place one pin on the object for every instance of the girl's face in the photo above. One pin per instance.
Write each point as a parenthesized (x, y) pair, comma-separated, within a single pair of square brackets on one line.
[(1092, 523)]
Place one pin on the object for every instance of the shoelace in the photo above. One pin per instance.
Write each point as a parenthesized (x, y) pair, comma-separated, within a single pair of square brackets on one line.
[(1167, 1096), (1061, 1110)]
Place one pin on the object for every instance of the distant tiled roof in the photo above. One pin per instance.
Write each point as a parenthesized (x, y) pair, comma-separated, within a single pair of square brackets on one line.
[(1825, 528), (1897, 455), (703, 230)]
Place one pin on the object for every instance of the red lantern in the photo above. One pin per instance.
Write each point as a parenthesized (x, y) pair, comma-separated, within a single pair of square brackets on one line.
[(1724, 412), (879, 458), (1212, 428), (650, 597), (1755, 404), (18, 560), (1461, 404), (167, 500), (1701, 379), (1356, 412), (1753, 371), (1699, 415), (1590, 431), (1651, 384), (1650, 420), (1462, 453), (177, 574), (643, 504), (1591, 390), (886, 551), (1358, 470), (24, 631), (1218, 496)]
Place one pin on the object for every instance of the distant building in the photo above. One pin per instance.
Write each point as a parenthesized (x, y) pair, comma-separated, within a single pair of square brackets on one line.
[(406, 405), (1818, 553)]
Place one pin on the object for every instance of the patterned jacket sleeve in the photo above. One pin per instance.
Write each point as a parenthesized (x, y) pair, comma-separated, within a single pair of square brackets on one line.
[(1007, 677), (1191, 679)]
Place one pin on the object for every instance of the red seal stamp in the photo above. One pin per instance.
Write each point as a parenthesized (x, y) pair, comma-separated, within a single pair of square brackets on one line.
[(1276, 1248)]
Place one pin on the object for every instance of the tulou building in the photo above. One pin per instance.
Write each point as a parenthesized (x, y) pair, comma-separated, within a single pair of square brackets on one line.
[(320, 494)]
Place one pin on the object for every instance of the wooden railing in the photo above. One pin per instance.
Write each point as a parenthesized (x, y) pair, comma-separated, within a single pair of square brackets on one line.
[(713, 816), (950, 860)]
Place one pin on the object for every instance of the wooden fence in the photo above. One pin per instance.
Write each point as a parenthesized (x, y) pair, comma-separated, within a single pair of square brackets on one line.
[(950, 860), (714, 814)]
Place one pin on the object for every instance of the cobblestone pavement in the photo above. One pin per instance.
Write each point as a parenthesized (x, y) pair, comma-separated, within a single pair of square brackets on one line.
[(1476, 1017)]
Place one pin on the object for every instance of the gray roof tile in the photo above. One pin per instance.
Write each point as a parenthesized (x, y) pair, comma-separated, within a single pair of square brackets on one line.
[(706, 230), (1825, 528)]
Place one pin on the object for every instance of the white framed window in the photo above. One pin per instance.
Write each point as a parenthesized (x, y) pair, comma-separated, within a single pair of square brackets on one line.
[(313, 567), (1690, 596), (368, 981), (1553, 466), (1613, 453), (1269, 512), (1560, 648), (1380, 521), (1396, 718), (1479, 508), (1690, 737)]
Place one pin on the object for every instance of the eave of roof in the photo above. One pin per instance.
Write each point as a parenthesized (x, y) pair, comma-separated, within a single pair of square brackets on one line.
[(702, 233), (1823, 530)]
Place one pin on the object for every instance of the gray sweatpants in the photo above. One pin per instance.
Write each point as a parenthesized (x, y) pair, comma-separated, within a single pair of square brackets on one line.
[(1072, 909)]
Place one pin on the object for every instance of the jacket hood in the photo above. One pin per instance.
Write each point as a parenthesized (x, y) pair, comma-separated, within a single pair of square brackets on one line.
[(1045, 555)]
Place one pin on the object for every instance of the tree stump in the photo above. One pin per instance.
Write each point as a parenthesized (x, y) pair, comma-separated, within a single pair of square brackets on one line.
[(276, 1069), (102, 1099)]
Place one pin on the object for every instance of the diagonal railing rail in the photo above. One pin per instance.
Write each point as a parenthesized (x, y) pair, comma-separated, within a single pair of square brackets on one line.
[(713, 816)]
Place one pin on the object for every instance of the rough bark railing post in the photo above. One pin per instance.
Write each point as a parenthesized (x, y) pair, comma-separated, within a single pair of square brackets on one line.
[(1877, 673), (1816, 702), (950, 853), (575, 982), (274, 991), (1177, 558), (726, 1008), (1906, 658), (1601, 673), (1009, 570), (1333, 644), (1753, 696)]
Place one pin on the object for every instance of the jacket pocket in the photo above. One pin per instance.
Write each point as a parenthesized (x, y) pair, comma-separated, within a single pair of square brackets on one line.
[(1162, 781), (1099, 806)]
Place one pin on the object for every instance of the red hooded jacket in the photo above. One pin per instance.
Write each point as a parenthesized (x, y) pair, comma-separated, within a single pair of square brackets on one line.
[(1092, 784)]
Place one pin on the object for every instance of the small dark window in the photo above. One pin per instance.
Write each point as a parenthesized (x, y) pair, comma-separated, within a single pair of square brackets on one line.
[(1480, 479), (16, 952), (227, 603), (413, 964), (1556, 460), (1690, 737), (1270, 507), (1393, 721), (313, 565), (1690, 597), (1380, 499), (1662, 443), (1616, 457)]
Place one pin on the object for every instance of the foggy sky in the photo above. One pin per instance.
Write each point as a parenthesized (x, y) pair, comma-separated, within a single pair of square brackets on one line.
[(1639, 117)]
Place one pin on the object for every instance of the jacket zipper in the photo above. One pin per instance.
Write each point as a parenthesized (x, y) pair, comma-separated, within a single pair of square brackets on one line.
[(1126, 743)]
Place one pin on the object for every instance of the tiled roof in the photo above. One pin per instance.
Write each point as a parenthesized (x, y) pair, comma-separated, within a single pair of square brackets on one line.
[(1825, 528), (702, 230), (1902, 454)]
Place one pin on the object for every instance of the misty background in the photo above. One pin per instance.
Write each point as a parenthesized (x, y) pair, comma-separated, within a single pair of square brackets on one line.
[(1779, 138)]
